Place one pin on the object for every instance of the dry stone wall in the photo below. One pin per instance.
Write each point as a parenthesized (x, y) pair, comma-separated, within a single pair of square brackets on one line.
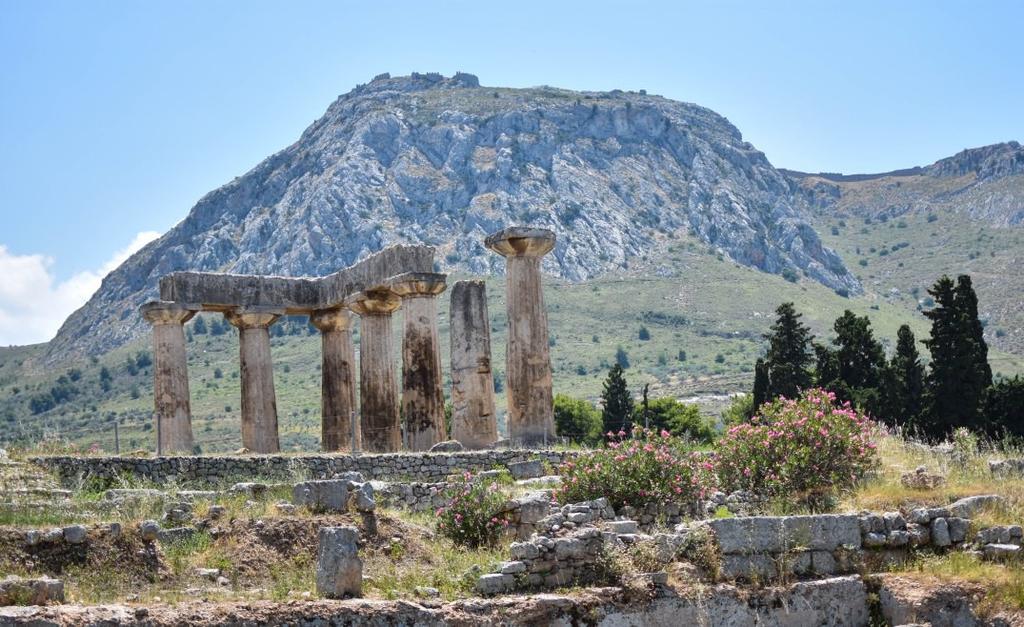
[(430, 467)]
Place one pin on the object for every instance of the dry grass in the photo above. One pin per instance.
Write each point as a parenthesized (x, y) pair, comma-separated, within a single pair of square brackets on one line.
[(966, 471)]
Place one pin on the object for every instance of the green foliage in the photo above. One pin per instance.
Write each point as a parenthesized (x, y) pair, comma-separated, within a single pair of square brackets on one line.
[(959, 370), (853, 369), (617, 402), (1003, 406), (804, 449), (472, 516), (740, 410), (642, 468), (621, 357), (577, 419), (679, 419), (788, 358), (644, 334), (903, 382)]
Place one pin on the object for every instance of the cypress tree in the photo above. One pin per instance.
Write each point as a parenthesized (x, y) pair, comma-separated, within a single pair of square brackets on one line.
[(959, 370), (617, 413), (978, 375), (903, 387), (761, 385), (788, 357)]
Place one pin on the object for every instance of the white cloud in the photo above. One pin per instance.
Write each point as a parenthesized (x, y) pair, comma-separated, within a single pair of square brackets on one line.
[(33, 304)]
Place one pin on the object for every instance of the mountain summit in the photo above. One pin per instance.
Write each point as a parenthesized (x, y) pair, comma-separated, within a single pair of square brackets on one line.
[(426, 159)]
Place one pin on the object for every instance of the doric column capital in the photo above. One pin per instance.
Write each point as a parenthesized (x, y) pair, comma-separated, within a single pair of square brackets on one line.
[(164, 312), (253, 317), (374, 302), (521, 241), (334, 319), (418, 284)]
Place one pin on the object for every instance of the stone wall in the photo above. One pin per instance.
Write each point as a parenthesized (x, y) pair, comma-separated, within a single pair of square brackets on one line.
[(429, 467)]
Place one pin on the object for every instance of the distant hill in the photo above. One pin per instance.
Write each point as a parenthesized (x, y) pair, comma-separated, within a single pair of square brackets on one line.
[(444, 161)]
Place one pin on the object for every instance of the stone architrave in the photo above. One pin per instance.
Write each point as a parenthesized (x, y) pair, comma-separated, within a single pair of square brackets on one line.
[(259, 402), (474, 422), (172, 410), (422, 388), (338, 377), (528, 359), (378, 399)]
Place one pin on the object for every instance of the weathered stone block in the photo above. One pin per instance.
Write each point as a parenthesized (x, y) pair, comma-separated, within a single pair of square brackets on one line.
[(324, 495), (971, 505), (495, 584), (940, 532), (339, 571), (15, 590), (758, 566), (75, 534), (526, 470), (958, 528)]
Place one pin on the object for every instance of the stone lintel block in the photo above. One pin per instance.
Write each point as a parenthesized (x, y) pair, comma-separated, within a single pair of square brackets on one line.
[(164, 312), (521, 241), (417, 284), (374, 302), (333, 319), (254, 317), (374, 271), (221, 291)]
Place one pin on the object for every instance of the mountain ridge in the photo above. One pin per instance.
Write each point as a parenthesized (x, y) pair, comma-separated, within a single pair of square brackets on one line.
[(426, 159)]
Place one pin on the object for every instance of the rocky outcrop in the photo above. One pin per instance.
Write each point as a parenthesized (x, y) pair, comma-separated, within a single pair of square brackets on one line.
[(424, 159)]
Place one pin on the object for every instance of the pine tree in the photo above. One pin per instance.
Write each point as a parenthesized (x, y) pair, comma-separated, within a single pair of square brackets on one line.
[(853, 369), (903, 381), (199, 326), (1003, 407), (959, 370), (761, 385), (617, 413), (788, 357)]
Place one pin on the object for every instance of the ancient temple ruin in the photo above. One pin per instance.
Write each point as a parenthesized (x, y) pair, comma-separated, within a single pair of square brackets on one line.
[(398, 277)]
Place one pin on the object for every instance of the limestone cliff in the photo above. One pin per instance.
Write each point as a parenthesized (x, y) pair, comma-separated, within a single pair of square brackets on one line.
[(443, 161)]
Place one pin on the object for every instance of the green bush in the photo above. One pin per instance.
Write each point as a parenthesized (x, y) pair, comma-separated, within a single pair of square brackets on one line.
[(470, 517), (642, 468), (577, 420), (806, 449), (679, 419)]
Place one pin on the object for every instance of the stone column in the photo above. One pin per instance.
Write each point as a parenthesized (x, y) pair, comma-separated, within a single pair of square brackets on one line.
[(259, 403), (422, 388), (474, 422), (528, 360), (338, 378), (378, 400), (172, 410)]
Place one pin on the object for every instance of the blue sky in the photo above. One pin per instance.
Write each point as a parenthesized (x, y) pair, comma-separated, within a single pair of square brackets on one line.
[(117, 116)]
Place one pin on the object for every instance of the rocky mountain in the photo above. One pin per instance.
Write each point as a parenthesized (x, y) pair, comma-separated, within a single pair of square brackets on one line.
[(443, 161), (985, 183)]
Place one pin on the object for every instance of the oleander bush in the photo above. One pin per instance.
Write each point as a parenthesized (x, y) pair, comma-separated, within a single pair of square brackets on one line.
[(643, 467), (807, 449), (472, 516)]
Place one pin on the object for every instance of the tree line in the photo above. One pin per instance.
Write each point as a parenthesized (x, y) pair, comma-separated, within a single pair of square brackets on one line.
[(956, 389)]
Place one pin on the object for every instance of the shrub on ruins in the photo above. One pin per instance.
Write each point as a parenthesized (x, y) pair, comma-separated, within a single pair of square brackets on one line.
[(577, 419), (646, 466), (473, 515), (808, 449)]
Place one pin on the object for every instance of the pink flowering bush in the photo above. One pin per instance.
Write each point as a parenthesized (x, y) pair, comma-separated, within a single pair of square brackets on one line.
[(472, 517), (804, 449), (645, 467)]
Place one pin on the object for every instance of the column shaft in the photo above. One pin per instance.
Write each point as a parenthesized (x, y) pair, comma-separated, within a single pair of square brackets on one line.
[(338, 395), (377, 389), (528, 368), (170, 377), (474, 422), (422, 392), (259, 401)]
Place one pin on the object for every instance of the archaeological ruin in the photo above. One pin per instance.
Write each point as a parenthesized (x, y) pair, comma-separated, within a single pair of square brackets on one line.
[(397, 278)]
